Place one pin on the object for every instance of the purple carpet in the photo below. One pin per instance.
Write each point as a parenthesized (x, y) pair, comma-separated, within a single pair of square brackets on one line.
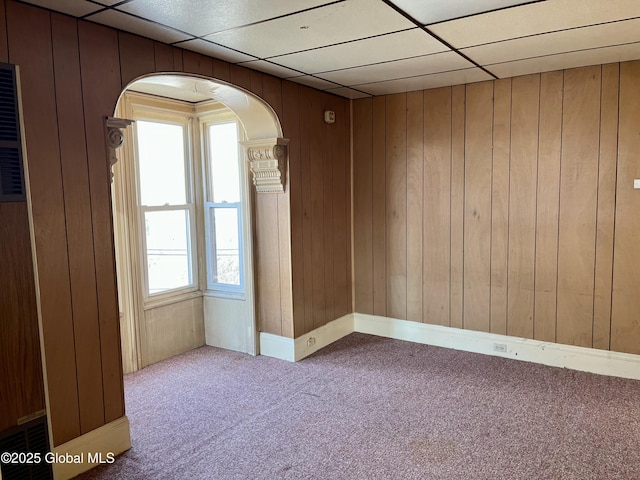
[(373, 408)]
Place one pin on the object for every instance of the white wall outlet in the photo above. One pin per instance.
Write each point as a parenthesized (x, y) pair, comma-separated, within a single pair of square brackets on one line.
[(636, 184), (311, 341), (329, 116), (500, 347)]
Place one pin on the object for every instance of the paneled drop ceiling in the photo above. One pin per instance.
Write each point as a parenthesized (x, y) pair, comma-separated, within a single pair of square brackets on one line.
[(358, 48)]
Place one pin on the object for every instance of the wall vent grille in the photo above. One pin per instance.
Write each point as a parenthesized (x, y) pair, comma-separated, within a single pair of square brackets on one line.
[(29, 438), (11, 171)]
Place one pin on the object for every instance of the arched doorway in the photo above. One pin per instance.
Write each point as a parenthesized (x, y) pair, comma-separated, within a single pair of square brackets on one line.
[(156, 324)]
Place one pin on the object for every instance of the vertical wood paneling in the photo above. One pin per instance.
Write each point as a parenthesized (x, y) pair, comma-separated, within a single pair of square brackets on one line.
[(477, 215), (500, 204), (458, 94), (163, 57), (29, 34), (272, 93), (578, 192), (291, 127), (363, 205), (316, 150), (196, 63), (221, 70), (415, 167), (606, 205), (240, 76), (4, 50), (341, 227), (531, 202), (396, 212), (137, 57), (436, 221), (328, 194), (21, 385), (178, 61), (100, 68), (549, 146), (348, 204), (307, 230), (379, 208), (77, 200), (625, 322), (522, 204)]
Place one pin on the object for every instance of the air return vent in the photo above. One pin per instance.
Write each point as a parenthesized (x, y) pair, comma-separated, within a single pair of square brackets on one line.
[(11, 171), (30, 441)]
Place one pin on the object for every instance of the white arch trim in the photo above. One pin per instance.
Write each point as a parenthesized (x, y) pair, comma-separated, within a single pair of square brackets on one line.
[(265, 149)]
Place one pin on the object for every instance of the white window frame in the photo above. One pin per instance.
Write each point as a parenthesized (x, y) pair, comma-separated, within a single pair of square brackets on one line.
[(212, 287), (167, 115)]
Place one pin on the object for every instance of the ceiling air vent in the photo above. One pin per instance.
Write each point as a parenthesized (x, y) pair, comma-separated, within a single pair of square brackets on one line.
[(11, 171)]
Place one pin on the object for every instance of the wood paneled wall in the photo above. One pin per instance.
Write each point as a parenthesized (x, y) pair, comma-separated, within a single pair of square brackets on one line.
[(72, 74), (504, 206)]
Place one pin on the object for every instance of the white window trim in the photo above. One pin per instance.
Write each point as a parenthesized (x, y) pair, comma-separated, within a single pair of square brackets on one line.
[(214, 289), (166, 112)]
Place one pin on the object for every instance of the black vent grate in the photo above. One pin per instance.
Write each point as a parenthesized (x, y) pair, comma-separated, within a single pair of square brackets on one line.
[(10, 172), (8, 114), (12, 187), (30, 438)]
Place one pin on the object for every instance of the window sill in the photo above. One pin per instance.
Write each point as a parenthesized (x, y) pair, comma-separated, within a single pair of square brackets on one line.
[(241, 296), (151, 303)]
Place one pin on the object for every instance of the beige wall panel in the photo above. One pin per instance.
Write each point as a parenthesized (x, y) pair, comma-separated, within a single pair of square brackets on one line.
[(396, 204), (625, 314), (437, 206), (578, 204), (415, 167), (549, 145), (477, 206), (522, 205), (500, 204)]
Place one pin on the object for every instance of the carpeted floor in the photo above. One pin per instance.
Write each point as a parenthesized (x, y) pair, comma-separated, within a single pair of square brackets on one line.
[(374, 408)]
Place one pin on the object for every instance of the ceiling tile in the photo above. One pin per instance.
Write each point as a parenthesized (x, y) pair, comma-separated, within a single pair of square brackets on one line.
[(202, 17), (532, 19), (314, 82), (348, 93), (271, 68), (432, 12), (410, 67), (131, 24), (409, 43), (619, 53), (75, 8), (558, 42), (336, 23), (213, 50), (459, 77)]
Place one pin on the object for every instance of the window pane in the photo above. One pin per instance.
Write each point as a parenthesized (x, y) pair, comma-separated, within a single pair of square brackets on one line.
[(225, 180), (162, 163), (226, 246), (168, 241)]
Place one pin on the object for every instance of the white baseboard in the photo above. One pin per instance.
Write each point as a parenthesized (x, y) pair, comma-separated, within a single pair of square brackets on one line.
[(602, 362), (109, 440), (591, 360), (294, 350), (277, 347)]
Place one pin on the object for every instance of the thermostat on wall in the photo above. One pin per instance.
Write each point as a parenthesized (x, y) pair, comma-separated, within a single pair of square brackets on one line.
[(636, 183), (329, 116)]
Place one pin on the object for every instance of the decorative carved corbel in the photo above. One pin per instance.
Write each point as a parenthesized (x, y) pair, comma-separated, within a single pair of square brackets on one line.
[(114, 138), (268, 162)]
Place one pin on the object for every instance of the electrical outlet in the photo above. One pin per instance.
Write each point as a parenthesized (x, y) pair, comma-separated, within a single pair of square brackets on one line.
[(311, 341), (500, 347)]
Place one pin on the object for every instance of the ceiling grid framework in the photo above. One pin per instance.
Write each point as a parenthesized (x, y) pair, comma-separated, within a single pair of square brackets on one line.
[(360, 48)]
